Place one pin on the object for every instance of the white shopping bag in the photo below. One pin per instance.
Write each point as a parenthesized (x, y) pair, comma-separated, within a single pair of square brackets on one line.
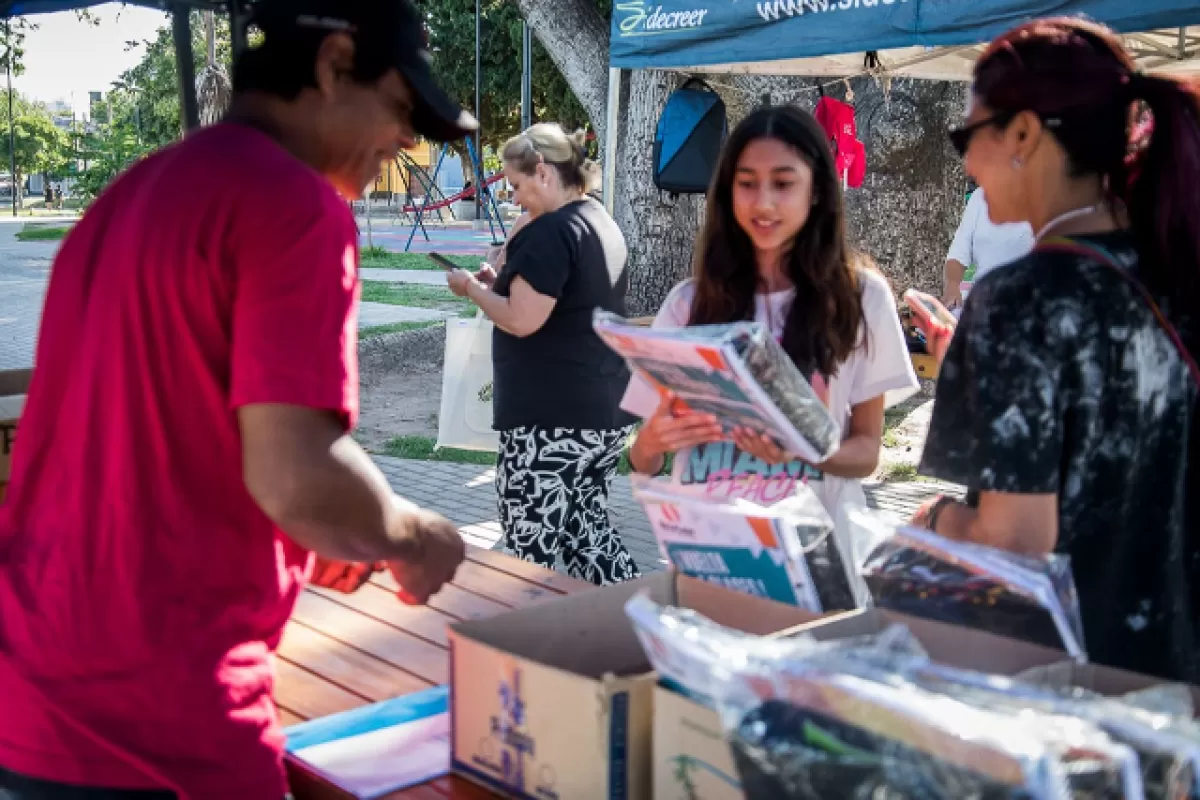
[(465, 418)]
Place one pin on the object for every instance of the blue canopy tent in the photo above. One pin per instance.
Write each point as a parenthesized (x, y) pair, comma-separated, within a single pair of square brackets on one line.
[(933, 39), (181, 30)]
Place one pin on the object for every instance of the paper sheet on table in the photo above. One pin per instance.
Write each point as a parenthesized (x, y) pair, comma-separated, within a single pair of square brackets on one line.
[(372, 751)]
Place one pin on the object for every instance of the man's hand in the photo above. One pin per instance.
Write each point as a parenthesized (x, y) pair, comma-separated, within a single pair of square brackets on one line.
[(343, 576), (437, 550)]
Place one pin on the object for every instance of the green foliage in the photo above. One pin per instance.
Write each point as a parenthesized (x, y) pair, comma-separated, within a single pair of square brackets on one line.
[(452, 38), (145, 106), (40, 146), (13, 37)]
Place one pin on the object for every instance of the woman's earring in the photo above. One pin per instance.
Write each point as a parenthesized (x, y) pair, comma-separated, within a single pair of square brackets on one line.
[(1017, 163)]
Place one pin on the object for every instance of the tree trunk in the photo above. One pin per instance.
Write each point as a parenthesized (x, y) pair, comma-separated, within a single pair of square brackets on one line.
[(214, 91), (903, 216), (576, 39), (913, 197), (659, 230)]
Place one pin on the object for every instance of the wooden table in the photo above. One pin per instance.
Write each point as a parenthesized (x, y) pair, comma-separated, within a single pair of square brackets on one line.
[(344, 651)]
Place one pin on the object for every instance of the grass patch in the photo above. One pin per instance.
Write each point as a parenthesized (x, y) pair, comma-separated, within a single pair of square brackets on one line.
[(902, 473), (395, 327), (890, 438), (382, 258), (40, 233), (416, 295), (420, 448)]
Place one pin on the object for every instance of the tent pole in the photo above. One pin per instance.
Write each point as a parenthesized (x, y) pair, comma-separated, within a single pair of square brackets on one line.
[(611, 122), (181, 28)]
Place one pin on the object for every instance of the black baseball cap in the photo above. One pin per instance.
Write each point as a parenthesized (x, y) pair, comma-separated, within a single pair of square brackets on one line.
[(383, 26)]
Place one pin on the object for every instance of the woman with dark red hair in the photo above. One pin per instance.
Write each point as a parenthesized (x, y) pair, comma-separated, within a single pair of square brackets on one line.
[(1066, 402)]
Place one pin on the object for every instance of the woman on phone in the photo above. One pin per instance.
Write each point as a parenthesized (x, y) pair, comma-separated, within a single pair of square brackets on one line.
[(557, 386), (1066, 401), (773, 249)]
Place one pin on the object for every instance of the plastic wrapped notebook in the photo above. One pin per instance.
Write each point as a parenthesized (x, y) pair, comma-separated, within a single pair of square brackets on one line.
[(925, 575), (1166, 744), (737, 372), (811, 720), (786, 552)]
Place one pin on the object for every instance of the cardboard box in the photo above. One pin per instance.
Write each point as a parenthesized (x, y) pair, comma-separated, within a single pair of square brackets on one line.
[(556, 700), (691, 758), (13, 386)]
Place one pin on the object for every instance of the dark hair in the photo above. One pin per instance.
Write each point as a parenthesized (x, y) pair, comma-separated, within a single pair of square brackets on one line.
[(1078, 79), (285, 63), (823, 326)]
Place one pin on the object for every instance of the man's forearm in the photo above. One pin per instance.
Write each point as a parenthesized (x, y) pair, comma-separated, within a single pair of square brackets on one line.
[(342, 507)]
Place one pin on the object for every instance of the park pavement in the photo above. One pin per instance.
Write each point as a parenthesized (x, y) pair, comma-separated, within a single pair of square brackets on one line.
[(25, 273)]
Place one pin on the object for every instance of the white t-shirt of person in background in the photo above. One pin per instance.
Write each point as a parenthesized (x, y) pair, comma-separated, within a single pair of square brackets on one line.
[(878, 366), (981, 243)]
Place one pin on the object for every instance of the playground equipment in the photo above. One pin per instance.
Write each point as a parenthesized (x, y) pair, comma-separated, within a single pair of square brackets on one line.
[(433, 200)]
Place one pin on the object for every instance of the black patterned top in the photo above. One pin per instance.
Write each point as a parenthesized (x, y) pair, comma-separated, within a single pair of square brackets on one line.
[(1059, 380)]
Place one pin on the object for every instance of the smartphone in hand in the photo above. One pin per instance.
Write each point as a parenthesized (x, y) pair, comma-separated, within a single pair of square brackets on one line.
[(443, 262), (928, 311)]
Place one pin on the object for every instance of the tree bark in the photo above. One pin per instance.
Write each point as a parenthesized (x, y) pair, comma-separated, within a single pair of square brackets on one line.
[(576, 39), (659, 230)]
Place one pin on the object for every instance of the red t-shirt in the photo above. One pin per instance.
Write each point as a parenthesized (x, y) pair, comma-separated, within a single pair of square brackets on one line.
[(142, 591)]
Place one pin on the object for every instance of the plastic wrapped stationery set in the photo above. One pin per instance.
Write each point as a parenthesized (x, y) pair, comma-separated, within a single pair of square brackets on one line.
[(874, 717)]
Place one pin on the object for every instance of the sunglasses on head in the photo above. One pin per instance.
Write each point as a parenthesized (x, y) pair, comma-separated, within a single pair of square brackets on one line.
[(961, 137)]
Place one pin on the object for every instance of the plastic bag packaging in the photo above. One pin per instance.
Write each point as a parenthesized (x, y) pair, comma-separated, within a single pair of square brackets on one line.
[(786, 552), (919, 573), (1166, 744), (824, 728), (844, 720), (698, 657), (737, 372)]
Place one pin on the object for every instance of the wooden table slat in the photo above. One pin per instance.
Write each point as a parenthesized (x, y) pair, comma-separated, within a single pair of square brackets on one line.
[(419, 658), (451, 600), (309, 696), (345, 651), (377, 602), (500, 587), (527, 570), (346, 666), (287, 718)]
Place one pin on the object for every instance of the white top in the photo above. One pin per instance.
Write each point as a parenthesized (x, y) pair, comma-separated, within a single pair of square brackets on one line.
[(882, 366), (981, 243)]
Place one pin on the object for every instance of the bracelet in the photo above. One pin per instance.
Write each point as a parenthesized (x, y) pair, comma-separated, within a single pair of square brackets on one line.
[(935, 510)]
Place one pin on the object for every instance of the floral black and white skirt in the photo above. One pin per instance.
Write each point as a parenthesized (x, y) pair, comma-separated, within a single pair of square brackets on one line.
[(553, 486)]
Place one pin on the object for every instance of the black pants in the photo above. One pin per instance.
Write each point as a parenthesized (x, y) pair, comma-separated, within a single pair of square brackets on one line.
[(18, 787), (553, 485)]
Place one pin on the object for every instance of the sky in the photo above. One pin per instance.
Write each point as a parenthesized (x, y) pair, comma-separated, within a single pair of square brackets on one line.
[(66, 57)]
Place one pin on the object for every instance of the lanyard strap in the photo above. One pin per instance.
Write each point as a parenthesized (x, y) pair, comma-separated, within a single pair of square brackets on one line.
[(1098, 253)]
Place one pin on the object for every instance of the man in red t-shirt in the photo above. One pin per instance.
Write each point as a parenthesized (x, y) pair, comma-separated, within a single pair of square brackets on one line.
[(185, 445)]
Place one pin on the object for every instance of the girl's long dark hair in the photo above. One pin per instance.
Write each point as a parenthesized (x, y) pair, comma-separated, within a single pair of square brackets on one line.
[(823, 325), (1078, 78)]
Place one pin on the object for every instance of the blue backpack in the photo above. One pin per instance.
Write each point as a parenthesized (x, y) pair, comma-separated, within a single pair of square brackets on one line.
[(687, 142)]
